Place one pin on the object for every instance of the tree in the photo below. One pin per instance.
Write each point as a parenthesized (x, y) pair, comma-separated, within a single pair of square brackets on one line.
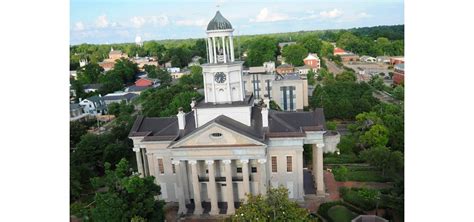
[(377, 82), (89, 73), (312, 43), (399, 93), (260, 50), (76, 130), (346, 76), (275, 206), (311, 78), (151, 70), (327, 50), (127, 196), (126, 70), (384, 159), (194, 79), (294, 54), (164, 76), (377, 135)]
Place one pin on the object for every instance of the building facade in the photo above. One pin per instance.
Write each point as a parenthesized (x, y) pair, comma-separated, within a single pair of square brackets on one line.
[(227, 146)]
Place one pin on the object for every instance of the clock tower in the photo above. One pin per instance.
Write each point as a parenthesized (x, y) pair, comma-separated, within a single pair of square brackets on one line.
[(222, 74)]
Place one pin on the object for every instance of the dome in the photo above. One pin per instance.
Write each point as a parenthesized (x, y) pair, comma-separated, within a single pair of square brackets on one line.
[(219, 23)]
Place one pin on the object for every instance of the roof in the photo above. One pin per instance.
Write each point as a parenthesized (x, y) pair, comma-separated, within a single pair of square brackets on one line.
[(285, 66), (121, 96), (73, 106), (289, 76), (257, 69), (400, 66), (311, 56), (248, 101), (95, 98), (281, 124), (135, 88), (219, 23), (338, 50), (115, 52), (92, 86)]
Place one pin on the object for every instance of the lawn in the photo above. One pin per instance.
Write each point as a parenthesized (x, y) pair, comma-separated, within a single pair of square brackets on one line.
[(340, 213)]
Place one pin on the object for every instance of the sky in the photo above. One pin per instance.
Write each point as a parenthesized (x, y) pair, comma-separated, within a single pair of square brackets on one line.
[(118, 21)]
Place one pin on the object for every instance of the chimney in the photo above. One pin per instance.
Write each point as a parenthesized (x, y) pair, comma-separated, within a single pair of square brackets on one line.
[(181, 118), (264, 116), (267, 102), (193, 103)]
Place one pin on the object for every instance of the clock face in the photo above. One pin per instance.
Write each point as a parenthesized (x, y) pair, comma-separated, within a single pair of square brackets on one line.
[(219, 77)]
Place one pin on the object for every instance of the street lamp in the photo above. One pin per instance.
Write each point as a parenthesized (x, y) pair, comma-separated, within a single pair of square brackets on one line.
[(338, 153)]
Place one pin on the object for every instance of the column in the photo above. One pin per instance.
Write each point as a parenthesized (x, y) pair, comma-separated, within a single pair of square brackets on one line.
[(320, 191), (213, 89), (214, 49), (209, 50), (231, 43), (145, 163), (313, 160), (139, 160), (182, 206), (263, 176), (211, 188), (299, 167), (197, 190), (223, 49), (245, 173), (229, 191)]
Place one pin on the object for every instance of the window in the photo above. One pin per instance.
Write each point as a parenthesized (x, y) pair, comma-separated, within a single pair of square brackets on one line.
[(289, 164), (274, 164), (161, 168), (239, 169), (216, 135), (254, 169), (174, 168)]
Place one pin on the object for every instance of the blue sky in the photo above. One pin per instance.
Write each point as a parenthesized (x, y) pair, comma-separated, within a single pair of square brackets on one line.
[(115, 21)]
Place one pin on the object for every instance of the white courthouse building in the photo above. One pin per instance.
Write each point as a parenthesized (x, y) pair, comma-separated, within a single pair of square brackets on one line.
[(227, 146)]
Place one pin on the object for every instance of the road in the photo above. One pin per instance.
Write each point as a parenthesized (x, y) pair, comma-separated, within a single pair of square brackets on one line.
[(332, 67)]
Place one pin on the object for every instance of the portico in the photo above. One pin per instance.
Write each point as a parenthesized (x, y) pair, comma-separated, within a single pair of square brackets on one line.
[(209, 178)]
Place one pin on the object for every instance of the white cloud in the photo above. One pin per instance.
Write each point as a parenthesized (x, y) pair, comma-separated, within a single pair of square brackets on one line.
[(137, 21), (363, 15), (331, 14), (140, 21), (102, 22), (192, 22), (79, 26), (266, 15), (160, 20)]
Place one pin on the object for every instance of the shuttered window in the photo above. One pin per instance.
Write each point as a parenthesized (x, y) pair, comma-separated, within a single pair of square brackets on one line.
[(274, 164), (161, 166), (289, 164)]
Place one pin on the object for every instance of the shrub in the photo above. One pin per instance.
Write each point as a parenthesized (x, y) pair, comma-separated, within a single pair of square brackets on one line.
[(340, 159), (324, 208), (363, 198), (340, 173), (330, 125)]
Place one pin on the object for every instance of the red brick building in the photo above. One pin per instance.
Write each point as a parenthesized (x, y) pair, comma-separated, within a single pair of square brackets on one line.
[(312, 60), (399, 74), (285, 69), (397, 60)]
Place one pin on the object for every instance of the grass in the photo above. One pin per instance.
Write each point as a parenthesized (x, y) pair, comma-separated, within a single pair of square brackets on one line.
[(340, 213)]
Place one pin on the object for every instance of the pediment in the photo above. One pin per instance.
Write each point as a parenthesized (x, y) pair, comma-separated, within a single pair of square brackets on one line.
[(216, 135)]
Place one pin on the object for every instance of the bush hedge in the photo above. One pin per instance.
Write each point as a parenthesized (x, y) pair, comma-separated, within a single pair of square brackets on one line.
[(364, 198), (340, 159), (324, 208), (362, 174)]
